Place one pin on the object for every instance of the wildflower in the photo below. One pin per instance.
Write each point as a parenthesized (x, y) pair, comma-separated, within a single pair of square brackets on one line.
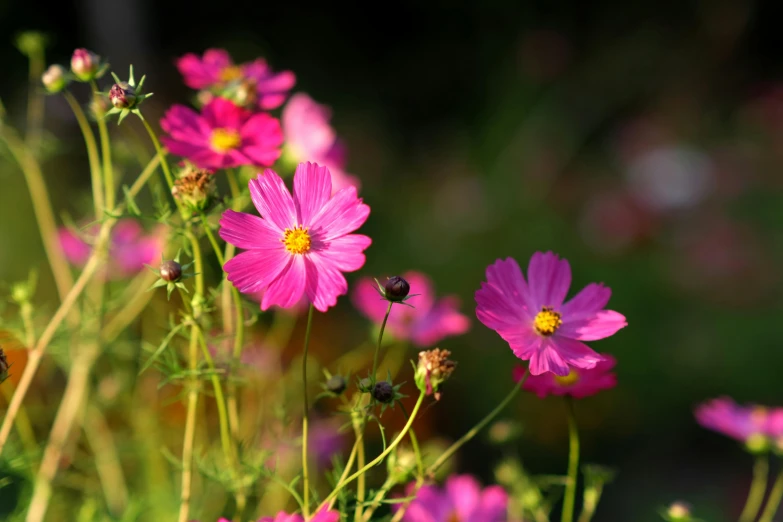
[(131, 248), (222, 136), (217, 71), (434, 369), (462, 499), (428, 323), (86, 65), (55, 78), (755, 426), (310, 137), (126, 97), (533, 319), (195, 188), (170, 271), (122, 95), (396, 289), (321, 516), (302, 244), (579, 383)]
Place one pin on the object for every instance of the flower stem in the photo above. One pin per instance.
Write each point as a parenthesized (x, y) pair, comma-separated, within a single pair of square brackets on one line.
[(773, 502), (757, 489), (306, 415), (190, 427), (573, 463), (107, 460), (380, 339), (446, 455), (92, 153), (377, 460), (162, 155), (35, 100), (108, 172)]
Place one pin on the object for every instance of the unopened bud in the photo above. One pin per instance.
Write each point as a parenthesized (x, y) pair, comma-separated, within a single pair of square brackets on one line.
[(195, 189), (85, 64), (679, 512), (383, 392), (401, 465), (170, 271), (336, 384), (434, 369), (122, 95), (55, 78), (365, 385), (396, 289)]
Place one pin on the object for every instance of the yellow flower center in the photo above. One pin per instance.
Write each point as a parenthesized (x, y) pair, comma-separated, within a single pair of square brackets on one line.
[(230, 73), (567, 380), (297, 240), (547, 321), (224, 140)]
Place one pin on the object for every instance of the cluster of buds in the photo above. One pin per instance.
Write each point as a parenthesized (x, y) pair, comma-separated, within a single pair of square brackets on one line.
[(194, 188), (434, 369), (125, 97)]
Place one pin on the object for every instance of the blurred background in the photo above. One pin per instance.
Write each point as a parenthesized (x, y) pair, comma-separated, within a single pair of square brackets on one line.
[(642, 142)]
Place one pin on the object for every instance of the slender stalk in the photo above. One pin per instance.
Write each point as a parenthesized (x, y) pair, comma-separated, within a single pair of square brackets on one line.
[(23, 426), (773, 502), (306, 415), (361, 484), (134, 305), (378, 498), (35, 100), (190, 427), (161, 154), (757, 489), (573, 463), (446, 455), (107, 461), (377, 460), (108, 172), (92, 153), (380, 339), (42, 207)]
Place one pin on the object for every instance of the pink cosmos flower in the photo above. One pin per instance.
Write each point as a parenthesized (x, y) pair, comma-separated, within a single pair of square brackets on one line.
[(425, 325), (321, 516), (222, 136), (131, 248), (301, 244), (579, 383), (743, 423), (461, 499), (309, 136), (532, 317), (217, 70)]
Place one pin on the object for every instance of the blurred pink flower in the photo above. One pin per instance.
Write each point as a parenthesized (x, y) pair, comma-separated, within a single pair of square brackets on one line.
[(301, 244), (222, 136), (310, 137), (321, 516), (532, 317), (743, 423), (216, 69), (460, 499), (426, 324), (131, 247), (579, 383)]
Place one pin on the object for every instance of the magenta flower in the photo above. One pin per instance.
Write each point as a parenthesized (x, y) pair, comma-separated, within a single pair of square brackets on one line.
[(743, 423), (533, 319), (321, 516), (216, 70), (426, 324), (310, 137), (301, 244), (462, 499), (222, 136), (131, 248), (579, 383)]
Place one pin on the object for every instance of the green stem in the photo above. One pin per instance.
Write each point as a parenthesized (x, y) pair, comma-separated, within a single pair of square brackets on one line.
[(108, 173), (380, 339), (306, 415), (446, 455), (92, 153), (377, 460), (190, 427), (757, 489), (773, 502), (212, 240), (35, 100), (573, 463), (163, 163)]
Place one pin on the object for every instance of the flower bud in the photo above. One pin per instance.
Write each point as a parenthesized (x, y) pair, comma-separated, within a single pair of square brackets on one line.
[(55, 78), (383, 392), (679, 512), (170, 271), (401, 465), (757, 444), (122, 95), (85, 64), (195, 189), (396, 289), (98, 107), (365, 385), (336, 384), (434, 369)]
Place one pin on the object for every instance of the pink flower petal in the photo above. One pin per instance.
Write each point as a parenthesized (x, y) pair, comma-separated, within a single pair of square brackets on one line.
[(442, 320), (253, 270), (494, 504), (591, 299), (325, 283), (312, 190), (273, 201), (221, 113), (575, 353), (345, 253), (343, 214), (601, 325), (547, 359), (464, 494), (288, 288), (248, 232), (549, 278)]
